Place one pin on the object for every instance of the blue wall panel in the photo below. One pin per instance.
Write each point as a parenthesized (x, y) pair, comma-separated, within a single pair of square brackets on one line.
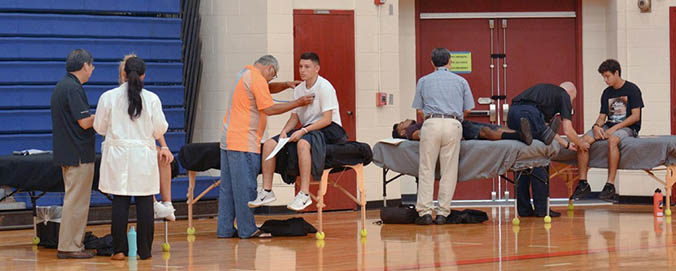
[(79, 26), (14, 142), (50, 72), (145, 6), (37, 35), (28, 96), (32, 121), (23, 48)]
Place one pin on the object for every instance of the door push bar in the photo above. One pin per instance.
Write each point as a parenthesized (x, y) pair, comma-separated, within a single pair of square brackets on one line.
[(492, 108), (479, 113)]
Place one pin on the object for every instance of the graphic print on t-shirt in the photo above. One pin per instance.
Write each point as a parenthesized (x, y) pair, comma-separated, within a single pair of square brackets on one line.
[(617, 109)]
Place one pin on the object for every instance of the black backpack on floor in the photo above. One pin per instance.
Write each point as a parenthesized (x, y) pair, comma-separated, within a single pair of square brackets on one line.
[(405, 214)]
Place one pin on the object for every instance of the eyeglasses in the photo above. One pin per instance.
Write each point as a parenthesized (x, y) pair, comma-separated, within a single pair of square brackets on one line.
[(274, 76)]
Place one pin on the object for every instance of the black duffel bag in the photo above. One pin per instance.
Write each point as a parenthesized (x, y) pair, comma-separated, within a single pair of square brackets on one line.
[(405, 214), (467, 216)]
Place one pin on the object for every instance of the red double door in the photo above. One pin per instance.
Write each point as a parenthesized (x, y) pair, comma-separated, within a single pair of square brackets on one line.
[(512, 48)]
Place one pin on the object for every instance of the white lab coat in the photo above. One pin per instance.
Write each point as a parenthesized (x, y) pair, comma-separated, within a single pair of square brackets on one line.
[(129, 154)]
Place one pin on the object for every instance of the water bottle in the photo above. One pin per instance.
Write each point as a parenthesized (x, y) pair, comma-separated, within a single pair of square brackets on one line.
[(131, 241), (658, 205)]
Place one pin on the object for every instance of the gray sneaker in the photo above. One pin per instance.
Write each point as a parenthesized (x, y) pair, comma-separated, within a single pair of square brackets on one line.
[(162, 211), (264, 197), (301, 202)]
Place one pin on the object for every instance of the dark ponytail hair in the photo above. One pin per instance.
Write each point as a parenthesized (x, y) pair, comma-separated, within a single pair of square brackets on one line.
[(135, 67)]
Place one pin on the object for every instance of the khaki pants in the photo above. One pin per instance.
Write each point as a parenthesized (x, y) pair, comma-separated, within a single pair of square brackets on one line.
[(438, 138), (78, 186)]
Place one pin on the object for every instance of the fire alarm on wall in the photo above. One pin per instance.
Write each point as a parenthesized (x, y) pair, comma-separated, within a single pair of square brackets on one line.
[(381, 99), (380, 2)]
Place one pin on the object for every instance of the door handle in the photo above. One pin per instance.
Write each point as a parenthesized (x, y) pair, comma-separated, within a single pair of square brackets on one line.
[(484, 100), (479, 113), (505, 111), (349, 113)]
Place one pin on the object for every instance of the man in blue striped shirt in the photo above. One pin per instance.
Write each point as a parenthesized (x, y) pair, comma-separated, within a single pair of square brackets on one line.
[(443, 98)]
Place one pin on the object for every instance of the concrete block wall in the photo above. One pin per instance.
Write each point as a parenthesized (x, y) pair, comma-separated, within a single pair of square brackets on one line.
[(407, 76)]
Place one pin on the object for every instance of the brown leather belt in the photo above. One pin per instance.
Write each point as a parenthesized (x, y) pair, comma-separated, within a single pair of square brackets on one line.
[(442, 116)]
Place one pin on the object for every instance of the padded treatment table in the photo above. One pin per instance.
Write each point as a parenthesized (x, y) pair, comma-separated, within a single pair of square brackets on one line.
[(479, 159), (645, 153), (37, 172), (198, 157), (32, 173)]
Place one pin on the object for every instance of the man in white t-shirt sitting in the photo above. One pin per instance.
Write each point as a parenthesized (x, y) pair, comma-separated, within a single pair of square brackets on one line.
[(321, 115)]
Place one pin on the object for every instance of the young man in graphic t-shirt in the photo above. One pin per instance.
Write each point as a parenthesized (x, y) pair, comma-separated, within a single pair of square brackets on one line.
[(620, 117)]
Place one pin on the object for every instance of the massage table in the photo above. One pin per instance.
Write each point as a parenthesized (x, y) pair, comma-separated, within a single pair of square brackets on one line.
[(37, 172), (198, 157), (647, 153), (479, 159)]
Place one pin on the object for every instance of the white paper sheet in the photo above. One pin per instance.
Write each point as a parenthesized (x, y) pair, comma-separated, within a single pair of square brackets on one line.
[(392, 141), (279, 146)]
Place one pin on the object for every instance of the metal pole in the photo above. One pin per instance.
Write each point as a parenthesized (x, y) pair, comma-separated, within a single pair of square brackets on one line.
[(491, 25)]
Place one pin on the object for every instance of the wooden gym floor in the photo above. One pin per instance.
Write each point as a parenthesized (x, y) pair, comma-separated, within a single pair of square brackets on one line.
[(618, 237)]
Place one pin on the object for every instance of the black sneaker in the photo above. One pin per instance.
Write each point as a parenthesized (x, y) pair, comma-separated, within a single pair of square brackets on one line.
[(424, 220), (440, 220), (608, 193), (525, 133), (581, 190), (551, 131), (552, 213)]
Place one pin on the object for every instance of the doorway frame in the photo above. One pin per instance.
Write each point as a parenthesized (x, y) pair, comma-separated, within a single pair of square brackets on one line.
[(531, 11), (672, 65)]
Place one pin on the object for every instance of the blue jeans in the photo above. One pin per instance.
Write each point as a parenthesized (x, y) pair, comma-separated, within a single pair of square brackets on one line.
[(534, 116), (238, 187)]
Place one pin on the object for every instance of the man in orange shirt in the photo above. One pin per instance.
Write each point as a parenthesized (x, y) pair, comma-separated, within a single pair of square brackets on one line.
[(243, 127)]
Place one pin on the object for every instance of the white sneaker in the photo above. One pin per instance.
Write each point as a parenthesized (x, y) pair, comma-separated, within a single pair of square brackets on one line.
[(301, 202), (161, 211), (264, 197), (168, 205)]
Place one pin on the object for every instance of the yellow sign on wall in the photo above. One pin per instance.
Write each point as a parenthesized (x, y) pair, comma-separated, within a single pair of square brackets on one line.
[(461, 62)]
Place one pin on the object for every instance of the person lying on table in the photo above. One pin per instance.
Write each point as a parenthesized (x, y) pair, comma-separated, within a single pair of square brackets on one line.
[(410, 129)]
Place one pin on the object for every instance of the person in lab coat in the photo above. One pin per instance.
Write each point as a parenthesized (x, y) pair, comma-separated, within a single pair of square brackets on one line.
[(131, 119), (162, 209)]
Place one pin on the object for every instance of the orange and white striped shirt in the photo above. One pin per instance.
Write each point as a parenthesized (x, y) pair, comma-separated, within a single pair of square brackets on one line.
[(244, 121)]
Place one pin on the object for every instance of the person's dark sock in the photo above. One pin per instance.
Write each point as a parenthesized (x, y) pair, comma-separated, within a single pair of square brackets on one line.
[(512, 136), (268, 190)]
